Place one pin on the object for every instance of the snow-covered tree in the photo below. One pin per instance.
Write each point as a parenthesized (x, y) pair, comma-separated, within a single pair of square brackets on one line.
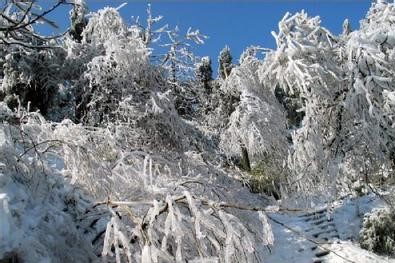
[(204, 72), (304, 66), (18, 19), (346, 27), (225, 63), (344, 90), (120, 65), (150, 34), (256, 129), (179, 60), (370, 78), (78, 19)]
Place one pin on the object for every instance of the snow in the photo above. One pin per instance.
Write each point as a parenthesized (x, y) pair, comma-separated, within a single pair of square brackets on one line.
[(6, 224), (39, 225), (144, 184), (295, 245), (35, 222), (354, 253), (35, 227)]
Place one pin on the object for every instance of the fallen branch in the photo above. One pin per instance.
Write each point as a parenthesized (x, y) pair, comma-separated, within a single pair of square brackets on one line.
[(182, 198)]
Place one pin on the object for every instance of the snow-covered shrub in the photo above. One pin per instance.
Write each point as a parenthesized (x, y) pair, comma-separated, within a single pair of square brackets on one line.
[(40, 212), (378, 232), (147, 205)]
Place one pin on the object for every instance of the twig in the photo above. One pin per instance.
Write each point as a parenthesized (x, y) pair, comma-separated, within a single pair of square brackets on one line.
[(37, 17), (38, 144)]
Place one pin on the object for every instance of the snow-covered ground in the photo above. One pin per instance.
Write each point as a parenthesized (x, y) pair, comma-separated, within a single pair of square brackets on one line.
[(302, 236), (38, 225), (350, 252), (38, 212)]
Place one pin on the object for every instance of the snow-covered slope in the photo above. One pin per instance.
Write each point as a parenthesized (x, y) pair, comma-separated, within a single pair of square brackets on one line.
[(38, 211), (324, 235)]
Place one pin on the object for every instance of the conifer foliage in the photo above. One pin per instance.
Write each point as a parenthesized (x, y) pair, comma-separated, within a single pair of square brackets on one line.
[(225, 62), (204, 71)]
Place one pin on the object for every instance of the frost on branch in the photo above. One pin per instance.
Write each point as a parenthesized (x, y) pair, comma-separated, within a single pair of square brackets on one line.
[(179, 60), (343, 86), (176, 229), (258, 122), (78, 20), (151, 204), (304, 67), (368, 129), (153, 150)]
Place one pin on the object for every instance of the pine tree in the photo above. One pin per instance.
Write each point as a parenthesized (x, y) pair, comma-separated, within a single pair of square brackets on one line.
[(204, 72), (78, 20), (225, 63), (346, 27)]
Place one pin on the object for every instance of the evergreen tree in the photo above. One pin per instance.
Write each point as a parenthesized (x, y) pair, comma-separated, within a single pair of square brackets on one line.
[(225, 63), (346, 27), (78, 20), (204, 72)]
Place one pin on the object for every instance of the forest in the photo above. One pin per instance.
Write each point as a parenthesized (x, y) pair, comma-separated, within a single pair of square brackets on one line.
[(119, 144)]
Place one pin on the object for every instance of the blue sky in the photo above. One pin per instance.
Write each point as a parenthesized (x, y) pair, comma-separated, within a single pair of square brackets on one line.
[(237, 24)]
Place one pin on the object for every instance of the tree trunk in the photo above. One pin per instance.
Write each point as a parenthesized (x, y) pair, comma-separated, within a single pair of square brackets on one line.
[(245, 160)]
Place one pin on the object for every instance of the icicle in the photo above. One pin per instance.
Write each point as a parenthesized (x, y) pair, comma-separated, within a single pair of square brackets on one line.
[(268, 238), (146, 255), (145, 175), (196, 215), (106, 244), (150, 173)]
